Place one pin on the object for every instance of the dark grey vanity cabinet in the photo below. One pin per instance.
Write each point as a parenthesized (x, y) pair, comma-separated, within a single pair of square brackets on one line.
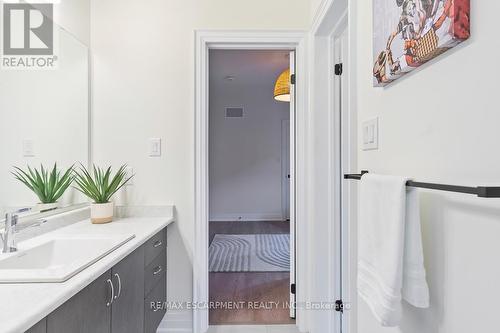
[(127, 315), (87, 311), (153, 308), (40, 327), (126, 299), (155, 282)]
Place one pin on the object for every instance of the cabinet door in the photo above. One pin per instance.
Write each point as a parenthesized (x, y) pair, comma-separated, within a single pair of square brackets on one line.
[(86, 312), (155, 272), (127, 313), (40, 327), (154, 306)]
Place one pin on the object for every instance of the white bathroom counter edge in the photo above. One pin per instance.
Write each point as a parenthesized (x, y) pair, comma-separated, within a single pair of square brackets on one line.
[(24, 305)]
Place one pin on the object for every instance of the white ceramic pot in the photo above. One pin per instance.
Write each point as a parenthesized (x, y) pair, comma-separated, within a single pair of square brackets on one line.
[(45, 207), (101, 213)]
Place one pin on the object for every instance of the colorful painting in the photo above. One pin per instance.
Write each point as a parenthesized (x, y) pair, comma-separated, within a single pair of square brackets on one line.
[(408, 33)]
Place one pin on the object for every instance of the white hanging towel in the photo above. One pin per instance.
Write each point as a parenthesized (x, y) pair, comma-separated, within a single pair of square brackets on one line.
[(390, 258)]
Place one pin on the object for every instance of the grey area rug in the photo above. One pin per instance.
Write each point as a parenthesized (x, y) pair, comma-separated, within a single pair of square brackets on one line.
[(250, 253)]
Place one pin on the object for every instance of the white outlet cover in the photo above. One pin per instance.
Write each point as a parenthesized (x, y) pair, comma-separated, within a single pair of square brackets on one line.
[(370, 134)]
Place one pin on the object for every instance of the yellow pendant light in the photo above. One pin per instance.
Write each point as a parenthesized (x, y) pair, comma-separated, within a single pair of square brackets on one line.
[(282, 87)]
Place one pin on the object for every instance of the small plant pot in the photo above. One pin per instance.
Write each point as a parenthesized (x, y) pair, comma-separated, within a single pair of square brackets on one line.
[(45, 207), (101, 213)]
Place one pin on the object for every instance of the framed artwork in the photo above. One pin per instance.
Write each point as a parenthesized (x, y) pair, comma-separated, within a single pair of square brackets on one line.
[(408, 33)]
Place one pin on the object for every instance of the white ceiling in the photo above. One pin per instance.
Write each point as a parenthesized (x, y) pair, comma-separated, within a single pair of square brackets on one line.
[(248, 67)]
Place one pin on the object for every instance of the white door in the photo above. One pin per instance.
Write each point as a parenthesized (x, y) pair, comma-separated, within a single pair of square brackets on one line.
[(292, 188), (285, 170), (340, 44)]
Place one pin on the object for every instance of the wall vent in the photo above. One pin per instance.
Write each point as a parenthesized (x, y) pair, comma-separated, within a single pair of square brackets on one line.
[(234, 113)]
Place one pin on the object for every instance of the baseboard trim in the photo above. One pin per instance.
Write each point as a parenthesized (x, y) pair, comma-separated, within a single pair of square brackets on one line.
[(176, 322), (173, 330), (246, 217)]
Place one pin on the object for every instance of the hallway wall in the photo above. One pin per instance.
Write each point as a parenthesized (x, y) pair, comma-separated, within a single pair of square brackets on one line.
[(440, 124), (143, 85), (245, 153)]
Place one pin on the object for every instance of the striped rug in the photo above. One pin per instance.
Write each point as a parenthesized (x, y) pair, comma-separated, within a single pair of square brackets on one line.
[(250, 253)]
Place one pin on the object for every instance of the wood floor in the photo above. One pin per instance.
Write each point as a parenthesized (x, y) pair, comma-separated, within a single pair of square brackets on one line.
[(253, 329), (256, 298)]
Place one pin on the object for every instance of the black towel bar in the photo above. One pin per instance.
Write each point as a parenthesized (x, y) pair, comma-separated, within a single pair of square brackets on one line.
[(480, 191)]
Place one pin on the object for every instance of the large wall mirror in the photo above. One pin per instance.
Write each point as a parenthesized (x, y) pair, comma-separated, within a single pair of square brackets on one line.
[(44, 120)]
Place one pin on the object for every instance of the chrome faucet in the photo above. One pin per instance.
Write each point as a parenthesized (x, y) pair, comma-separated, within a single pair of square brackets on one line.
[(8, 237)]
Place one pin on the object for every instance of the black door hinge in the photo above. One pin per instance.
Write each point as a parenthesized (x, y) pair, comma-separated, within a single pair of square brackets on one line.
[(292, 288), (339, 306), (338, 69), (292, 79)]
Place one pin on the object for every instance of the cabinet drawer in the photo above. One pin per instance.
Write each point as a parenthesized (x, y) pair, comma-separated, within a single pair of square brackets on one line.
[(154, 314), (154, 246), (155, 272)]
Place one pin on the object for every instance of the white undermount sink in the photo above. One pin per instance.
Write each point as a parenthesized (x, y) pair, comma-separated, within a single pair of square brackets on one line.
[(57, 259)]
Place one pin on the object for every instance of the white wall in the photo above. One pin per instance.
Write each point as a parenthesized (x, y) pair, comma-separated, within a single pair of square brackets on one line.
[(143, 59), (74, 16), (315, 4), (440, 124), (245, 153), (321, 225)]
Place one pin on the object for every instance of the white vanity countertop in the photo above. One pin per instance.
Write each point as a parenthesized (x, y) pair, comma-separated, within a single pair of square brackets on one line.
[(24, 305)]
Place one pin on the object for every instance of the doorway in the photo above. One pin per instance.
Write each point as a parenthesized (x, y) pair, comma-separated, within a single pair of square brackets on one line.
[(246, 40), (340, 109), (333, 155), (251, 189)]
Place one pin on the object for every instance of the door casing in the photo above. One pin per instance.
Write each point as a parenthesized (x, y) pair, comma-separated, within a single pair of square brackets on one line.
[(332, 18), (341, 166), (246, 40)]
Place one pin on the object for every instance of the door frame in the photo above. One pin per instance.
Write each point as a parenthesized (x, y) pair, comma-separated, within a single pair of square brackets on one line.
[(330, 20), (225, 39), (341, 164), (285, 170)]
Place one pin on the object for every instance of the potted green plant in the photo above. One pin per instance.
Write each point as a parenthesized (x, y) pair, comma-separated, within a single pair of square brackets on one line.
[(100, 186), (48, 186)]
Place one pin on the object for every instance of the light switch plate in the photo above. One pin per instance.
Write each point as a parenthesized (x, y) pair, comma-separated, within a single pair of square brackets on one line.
[(370, 134), (28, 148), (155, 147)]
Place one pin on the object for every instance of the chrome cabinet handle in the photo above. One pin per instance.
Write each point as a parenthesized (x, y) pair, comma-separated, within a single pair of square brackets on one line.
[(157, 270), (157, 243), (112, 292), (119, 286)]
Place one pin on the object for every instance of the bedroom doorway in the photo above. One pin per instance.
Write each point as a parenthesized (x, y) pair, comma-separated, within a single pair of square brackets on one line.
[(251, 187)]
